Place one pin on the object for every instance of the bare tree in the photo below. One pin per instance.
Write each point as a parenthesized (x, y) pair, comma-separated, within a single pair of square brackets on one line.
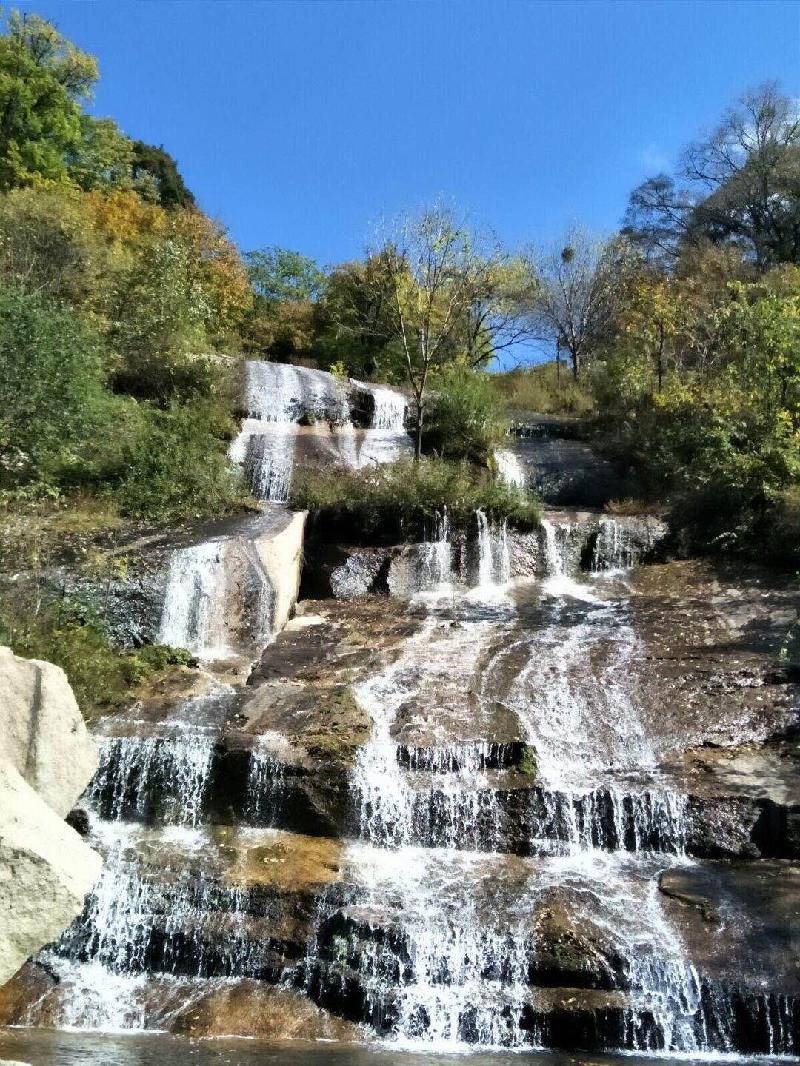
[(738, 184), (576, 292)]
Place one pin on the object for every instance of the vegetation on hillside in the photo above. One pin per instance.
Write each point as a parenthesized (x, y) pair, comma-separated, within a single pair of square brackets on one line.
[(118, 302), (124, 310)]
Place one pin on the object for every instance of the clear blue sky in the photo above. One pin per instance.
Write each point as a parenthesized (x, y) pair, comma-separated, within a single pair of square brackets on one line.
[(300, 123)]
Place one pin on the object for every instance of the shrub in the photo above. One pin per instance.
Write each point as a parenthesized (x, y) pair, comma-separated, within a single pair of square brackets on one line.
[(70, 635), (462, 418), (178, 465), (400, 501), (542, 389), (52, 398)]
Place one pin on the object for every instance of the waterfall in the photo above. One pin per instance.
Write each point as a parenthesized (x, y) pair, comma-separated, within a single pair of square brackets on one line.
[(193, 612), (218, 598), (139, 774), (507, 823), (554, 554), (268, 462), (494, 564), (436, 562), (265, 781), (389, 411), (620, 544), (510, 469), (596, 832), (386, 440)]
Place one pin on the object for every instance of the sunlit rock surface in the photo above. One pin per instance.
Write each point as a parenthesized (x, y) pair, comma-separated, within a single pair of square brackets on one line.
[(46, 760)]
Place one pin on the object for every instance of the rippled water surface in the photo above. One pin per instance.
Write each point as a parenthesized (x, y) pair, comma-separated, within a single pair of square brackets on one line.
[(43, 1048)]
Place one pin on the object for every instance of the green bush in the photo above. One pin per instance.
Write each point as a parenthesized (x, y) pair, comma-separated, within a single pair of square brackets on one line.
[(400, 501), (69, 634), (52, 397), (462, 419), (177, 466)]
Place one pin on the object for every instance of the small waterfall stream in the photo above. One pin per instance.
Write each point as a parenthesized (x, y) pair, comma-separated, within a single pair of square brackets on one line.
[(296, 415)]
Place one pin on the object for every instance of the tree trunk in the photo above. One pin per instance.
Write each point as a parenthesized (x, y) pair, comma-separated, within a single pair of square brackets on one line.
[(418, 435), (576, 364)]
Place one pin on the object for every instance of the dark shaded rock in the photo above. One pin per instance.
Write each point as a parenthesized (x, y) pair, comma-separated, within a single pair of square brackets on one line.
[(78, 818)]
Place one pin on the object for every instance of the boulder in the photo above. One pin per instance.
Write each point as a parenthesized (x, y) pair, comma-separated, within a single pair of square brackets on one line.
[(42, 733), (46, 760), (45, 872)]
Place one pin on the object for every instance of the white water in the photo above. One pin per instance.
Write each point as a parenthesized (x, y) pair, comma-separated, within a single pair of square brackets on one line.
[(494, 562), (273, 443), (389, 412), (467, 977), (217, 598), (193, 612), (510, 469)]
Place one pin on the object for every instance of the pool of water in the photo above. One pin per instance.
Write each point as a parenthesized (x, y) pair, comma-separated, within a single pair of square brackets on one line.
[(46, 1048)]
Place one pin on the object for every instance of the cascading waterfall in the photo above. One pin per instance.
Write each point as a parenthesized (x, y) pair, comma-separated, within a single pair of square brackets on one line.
[(293, 412), (494, 563), (467, 980), (193, 612), (510, 469), (461, 846)]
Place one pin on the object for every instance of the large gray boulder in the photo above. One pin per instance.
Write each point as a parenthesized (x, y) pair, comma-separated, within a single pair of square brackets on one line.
[(46, 760), (42, 732)]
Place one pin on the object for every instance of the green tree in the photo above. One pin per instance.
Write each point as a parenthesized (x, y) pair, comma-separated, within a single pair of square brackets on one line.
[(103, 158), (160, 324), (52, 399), (48, 245), (155, 171), (433, 270), (280, 274), (42, 78)]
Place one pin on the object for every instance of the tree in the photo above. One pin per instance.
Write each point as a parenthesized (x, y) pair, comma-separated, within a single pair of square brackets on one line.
[(437, 275), (52, 374), (103, 157), (576, 293), (156, 169), (280, 274), (740, 184), (43, 76), (354, 323), (49, 245)]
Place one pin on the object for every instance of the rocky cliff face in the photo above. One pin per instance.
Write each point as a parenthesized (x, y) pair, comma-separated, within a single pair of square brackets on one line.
[(46, 760)]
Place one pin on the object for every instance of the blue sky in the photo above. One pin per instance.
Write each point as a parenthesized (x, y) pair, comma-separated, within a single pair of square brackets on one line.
[(300, 124)]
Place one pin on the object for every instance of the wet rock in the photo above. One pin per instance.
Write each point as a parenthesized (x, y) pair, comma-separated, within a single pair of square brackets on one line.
[(561, 469), (569, 951), (740, 922), (259, 1012), (78, 819), (29, 984)]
